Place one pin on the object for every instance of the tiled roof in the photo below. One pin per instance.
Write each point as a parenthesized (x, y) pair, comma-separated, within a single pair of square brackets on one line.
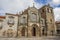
[(57, 22), (2, 16), (11, 14)]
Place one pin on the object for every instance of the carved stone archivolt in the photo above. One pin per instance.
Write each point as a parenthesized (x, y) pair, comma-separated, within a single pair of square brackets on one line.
[(9, 33), (35, 30), (22, 31)]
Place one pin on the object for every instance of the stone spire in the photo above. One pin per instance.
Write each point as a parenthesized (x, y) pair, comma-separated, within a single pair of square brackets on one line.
[(33, 5), (48, 4)]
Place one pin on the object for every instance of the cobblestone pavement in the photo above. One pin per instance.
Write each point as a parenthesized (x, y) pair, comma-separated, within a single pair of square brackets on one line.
[(33, 38)]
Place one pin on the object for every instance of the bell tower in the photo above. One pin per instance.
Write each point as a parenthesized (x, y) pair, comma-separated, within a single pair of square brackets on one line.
[(48, 15)]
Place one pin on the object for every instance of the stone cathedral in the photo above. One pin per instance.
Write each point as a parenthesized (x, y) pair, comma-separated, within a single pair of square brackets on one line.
[(32, 22)]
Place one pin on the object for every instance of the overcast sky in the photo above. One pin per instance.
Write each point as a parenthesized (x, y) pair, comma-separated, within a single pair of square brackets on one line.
[(15, 6)]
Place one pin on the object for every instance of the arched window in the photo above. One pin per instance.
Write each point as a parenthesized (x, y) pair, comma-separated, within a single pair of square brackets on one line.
[(23, 31), (23, 20)]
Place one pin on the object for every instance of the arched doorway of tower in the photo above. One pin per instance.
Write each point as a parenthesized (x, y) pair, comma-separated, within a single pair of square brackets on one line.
[(34, 30), (23, 31)]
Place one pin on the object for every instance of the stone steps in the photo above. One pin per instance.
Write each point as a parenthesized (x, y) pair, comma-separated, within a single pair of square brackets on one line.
[(33, 38)]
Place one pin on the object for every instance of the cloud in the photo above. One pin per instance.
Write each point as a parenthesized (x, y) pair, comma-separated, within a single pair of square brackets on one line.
[(13, 6), (57, 14), (56, 1)]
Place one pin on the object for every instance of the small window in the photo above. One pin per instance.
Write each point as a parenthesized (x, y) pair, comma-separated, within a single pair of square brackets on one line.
[(51, 20)]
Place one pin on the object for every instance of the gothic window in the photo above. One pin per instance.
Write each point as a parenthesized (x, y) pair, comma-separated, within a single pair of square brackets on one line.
[(33, 17), (23, 31), (23, 20), (11, 20), (49, 10)]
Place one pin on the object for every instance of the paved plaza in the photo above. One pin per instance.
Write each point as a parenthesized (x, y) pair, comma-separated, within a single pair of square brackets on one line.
[(34, 38)]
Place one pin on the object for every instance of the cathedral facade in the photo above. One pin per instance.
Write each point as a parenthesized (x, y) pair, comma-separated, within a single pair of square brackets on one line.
[(32, 22)]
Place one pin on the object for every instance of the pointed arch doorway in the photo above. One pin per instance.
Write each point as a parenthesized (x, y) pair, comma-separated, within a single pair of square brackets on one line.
[(34, 31), (23, 31)]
